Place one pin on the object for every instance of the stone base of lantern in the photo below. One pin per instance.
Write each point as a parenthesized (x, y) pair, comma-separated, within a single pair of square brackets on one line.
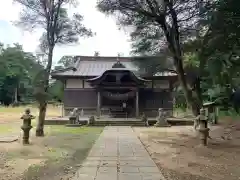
[(26, 132), (204, 134)]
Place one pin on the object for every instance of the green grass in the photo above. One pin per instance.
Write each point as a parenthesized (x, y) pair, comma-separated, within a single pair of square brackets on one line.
[(72, 130), (19, 109), (51, 110), (10, 116), (7, 128), (62, 147), (67, 147)]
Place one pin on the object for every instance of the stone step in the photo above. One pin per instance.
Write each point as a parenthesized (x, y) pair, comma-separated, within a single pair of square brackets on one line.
[(119, 123)]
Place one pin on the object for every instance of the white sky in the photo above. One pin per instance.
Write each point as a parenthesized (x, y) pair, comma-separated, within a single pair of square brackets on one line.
[(109, 40)]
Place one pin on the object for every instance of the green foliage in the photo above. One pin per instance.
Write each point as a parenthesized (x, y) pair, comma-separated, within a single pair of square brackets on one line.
[(59, 29), (56, 91), (153, 64), (220, 51), (53, 17), (65, 61), (17, 72), (205, 39), (21, 73), (207, 32)]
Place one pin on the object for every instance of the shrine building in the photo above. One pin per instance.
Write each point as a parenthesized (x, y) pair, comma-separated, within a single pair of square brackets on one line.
[(114, 87)]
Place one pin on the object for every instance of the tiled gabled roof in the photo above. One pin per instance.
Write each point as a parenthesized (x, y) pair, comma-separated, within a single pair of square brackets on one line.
[(90, 66)]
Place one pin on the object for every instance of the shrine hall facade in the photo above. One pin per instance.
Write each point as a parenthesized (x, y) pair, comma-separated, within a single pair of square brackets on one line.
[(114, 87)]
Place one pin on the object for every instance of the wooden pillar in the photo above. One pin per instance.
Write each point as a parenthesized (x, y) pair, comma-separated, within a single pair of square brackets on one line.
[(137, 104), (63, 110), (172, 98), (98, 104)]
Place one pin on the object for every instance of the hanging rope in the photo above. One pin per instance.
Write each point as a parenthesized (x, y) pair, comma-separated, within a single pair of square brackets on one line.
[(119, 96)]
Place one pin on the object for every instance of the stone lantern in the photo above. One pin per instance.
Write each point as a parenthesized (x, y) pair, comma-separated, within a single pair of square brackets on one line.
[(203, 127), (26, 127)]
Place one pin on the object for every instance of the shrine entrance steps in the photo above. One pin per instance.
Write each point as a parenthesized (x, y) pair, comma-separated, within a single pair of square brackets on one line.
[(119, 122), (106, 121)]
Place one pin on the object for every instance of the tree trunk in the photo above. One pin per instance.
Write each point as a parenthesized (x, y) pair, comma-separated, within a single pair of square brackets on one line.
[(191, 101), (198, 99), (43, 103), (16, 96), (198, 90), (196, 108), (41, 119), (172, 35)]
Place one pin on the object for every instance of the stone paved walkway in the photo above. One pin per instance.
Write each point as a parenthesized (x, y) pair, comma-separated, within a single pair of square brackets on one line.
[(118, 155)]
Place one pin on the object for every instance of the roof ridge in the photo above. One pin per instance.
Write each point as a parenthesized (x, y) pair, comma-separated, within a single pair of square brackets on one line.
[(104, 58), (93, 66)]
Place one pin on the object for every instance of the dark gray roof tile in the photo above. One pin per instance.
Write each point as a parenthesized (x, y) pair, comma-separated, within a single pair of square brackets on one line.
[(95, 66)]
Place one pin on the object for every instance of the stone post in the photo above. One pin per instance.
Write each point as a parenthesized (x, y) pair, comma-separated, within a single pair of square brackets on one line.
[(203, 127), (26, 127)]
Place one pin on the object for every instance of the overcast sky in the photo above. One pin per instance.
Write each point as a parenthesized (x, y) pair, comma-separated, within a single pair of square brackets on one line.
[(109, 40)]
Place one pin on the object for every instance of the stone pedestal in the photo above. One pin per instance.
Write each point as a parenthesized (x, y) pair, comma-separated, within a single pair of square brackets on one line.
[(204, 133), (26, 134), (72, 119)]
